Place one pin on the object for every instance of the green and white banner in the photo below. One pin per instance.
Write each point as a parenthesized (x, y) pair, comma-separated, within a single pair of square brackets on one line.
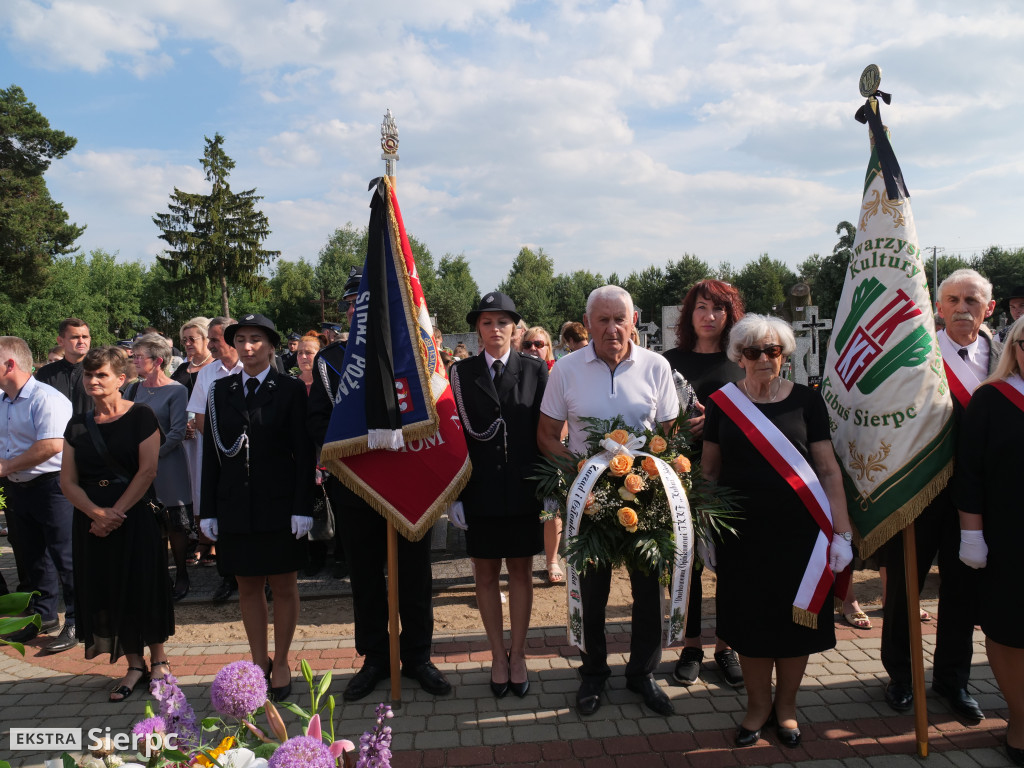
[(885, 386)]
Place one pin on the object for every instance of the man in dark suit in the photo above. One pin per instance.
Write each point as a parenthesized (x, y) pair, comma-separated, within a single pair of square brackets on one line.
[(971, 354), (365, 544)]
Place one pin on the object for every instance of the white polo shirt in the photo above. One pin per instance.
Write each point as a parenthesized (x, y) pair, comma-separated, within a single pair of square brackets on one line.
[(207, 375), (640, 389)]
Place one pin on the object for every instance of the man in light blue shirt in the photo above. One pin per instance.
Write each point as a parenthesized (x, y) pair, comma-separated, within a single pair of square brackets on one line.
[(33, 417)]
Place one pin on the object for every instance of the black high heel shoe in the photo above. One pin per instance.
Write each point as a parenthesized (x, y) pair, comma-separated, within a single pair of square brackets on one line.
[(788, 737), (748, 738), (499, 689), (519, 689), (181, 588)]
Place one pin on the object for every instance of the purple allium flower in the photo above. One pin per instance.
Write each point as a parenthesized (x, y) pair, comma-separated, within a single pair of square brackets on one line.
[(301, 752), (175, 710), (239, 689), (150, 725)]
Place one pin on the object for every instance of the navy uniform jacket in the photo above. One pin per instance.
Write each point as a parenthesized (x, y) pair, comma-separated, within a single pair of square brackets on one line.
[(498, 485), (326, 364), (280, 477)]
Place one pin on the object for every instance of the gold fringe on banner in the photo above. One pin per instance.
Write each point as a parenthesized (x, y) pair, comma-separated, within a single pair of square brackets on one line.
[(805, 618), (389, 513), (905, 515)]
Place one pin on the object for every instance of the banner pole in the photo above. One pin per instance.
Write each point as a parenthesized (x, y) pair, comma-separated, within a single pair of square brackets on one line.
[(916, 651), (393, 628)]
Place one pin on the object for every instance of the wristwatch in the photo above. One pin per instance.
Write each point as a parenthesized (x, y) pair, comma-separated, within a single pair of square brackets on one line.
[(848, 535)]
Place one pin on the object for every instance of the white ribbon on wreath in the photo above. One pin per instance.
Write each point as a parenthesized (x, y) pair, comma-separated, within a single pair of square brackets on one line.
[(674, 622)]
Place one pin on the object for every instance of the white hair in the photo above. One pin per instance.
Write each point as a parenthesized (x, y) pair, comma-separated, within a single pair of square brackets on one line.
[(967, 276), (610, 293), (749, 332)]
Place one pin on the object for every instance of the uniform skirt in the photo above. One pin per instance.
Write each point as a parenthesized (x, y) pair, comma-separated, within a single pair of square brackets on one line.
[(261, 554), (496, 537)]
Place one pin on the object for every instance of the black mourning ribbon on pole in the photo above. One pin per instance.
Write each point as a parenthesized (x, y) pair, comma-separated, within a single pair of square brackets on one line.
[(381, 400), (895, 187)]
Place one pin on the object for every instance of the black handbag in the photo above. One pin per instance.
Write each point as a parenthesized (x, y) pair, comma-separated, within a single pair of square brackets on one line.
[(323, 517)]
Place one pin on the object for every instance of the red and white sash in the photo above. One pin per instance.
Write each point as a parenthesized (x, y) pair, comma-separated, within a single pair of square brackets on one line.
[(962, 379), (799, 475), (1013, 388)]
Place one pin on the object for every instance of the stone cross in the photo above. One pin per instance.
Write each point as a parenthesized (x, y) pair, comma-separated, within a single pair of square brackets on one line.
[(811, 323)]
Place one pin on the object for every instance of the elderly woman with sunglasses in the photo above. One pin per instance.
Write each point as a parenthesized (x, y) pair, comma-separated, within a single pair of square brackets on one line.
[(769, 439)]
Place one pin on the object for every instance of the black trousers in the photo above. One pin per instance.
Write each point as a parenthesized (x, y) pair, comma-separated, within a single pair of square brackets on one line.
[(695, 603), (39, 524), (645, 640), (937, 532), (366, 548)]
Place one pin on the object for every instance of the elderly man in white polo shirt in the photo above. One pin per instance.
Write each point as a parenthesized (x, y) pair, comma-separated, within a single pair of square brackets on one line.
[(611, 377)]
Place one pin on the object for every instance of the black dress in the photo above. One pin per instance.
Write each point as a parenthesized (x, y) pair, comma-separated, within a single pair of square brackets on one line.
[(122, 593), (759, 571), (986, 483)]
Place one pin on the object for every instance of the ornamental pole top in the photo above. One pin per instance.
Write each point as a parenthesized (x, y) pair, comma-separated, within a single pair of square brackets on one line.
[(389, 142)]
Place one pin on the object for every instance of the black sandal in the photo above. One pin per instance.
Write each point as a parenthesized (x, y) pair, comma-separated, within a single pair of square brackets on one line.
[(154, 664), (124, 691)]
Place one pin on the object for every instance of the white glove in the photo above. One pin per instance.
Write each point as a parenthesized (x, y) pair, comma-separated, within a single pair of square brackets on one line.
[(841, 554), (208, 525), (457, 516), (301, 525), (706, 552), (973, 549)]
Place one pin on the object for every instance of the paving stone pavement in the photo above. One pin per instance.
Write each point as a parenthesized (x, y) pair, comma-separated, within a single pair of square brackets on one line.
[(844, 719)]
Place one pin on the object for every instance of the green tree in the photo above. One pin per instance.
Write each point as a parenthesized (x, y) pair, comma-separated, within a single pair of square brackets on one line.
[(648, 291), (945, 264), (827, 274), (570, 294), (1005, 269), (292, 297), (345, 248), (33, 227), (216, 240), (680, 277), (455, 294), (764, 284), (116, 289), (530, 284)]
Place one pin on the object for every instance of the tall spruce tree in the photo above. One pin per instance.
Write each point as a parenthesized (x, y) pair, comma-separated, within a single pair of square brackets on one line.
[(33, 227), (215, 239)]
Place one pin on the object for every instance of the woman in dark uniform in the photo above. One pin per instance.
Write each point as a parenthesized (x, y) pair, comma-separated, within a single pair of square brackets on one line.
[(987, 493), (258, 465), (498, 394)]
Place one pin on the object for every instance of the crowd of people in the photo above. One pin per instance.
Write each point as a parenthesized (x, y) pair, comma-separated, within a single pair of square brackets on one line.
[(111, 460)]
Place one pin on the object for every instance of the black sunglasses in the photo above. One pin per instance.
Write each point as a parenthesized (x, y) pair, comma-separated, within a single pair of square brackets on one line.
[(772, 351)]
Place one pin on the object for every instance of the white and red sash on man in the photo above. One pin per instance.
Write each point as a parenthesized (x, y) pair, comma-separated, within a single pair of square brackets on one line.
[(962, 380), (785, 459)]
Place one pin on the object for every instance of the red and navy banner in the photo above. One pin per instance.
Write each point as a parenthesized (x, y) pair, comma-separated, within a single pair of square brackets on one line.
[(394, 437)]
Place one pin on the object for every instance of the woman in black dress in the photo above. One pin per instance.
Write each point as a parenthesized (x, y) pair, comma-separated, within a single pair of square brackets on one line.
[(779, 546), (258, 475), (498, 395), (122, 596), (988, 495), (710, 309)]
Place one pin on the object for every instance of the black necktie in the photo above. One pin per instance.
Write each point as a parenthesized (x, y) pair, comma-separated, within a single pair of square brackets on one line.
[(498, 369), (251, 385), (963, 353)]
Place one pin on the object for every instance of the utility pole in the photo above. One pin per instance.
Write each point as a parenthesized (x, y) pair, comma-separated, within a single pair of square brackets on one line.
[(935, 269)]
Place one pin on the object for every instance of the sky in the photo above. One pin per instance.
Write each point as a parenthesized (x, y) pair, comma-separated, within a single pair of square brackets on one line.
[(615, 135)]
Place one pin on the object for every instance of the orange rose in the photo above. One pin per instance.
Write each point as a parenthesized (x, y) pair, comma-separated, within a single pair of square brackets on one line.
[(579, 467), (658, 444), (628, 519), (620, 465), (589, 505), (681, 464), (649, 466), (620, 436), (633, 483)]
